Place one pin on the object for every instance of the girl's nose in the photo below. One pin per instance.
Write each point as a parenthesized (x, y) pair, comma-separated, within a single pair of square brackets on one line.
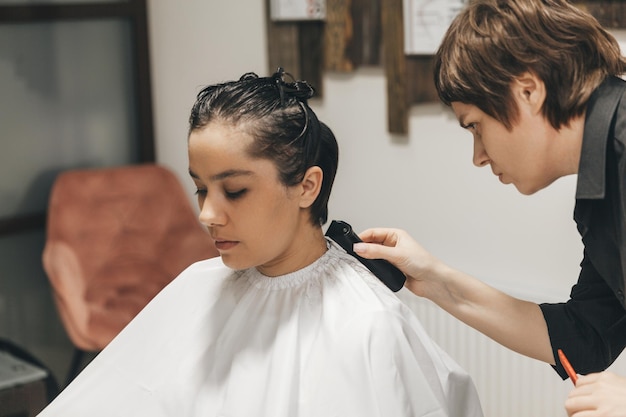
[(210, 214)]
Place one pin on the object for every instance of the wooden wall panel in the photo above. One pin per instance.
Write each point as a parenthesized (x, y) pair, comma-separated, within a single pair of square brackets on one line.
[(420, 81), (338, 34), (371, 33), (311, 43), (352, 34), (283, 47), (365, 47), (395, 67), (610, 13), (297, 47)]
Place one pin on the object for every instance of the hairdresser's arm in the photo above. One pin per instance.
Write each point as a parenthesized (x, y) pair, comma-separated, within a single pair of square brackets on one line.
[(598, 395), (517, 324)]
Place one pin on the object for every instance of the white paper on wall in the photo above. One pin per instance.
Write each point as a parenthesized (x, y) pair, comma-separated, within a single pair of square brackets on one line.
[(298, 9), (425, 23)]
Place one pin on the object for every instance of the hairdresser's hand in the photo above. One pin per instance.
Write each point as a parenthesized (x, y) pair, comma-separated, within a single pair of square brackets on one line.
[(399, 248), (598, 395)]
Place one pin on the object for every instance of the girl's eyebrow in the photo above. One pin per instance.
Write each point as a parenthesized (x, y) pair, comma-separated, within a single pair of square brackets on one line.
[(225, 174)]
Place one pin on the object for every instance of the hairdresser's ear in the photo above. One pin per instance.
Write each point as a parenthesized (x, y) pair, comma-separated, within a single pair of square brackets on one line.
[(311, 185), (529, 91)]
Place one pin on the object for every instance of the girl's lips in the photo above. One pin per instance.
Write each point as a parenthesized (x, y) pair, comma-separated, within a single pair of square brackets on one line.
[(225, 244)]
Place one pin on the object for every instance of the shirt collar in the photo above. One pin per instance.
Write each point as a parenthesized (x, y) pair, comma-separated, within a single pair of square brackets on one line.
[(600, 110)]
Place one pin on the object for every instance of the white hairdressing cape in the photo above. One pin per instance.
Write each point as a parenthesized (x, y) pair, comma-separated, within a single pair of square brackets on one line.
[(327, 340)]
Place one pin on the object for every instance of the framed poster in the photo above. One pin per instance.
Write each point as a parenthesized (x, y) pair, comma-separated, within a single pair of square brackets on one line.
[(425, 23), (297, 9)]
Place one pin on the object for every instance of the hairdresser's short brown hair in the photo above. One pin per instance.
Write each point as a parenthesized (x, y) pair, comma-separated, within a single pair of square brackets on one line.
[(492, 41)]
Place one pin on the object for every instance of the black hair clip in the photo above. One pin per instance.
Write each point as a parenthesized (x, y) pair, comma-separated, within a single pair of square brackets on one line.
[(300, 90)]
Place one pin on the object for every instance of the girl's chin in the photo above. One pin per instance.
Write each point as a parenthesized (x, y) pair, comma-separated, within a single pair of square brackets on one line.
[(235, 263)]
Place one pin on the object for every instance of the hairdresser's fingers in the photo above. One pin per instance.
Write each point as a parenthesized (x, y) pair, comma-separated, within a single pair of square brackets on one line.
[(384, 243), (382, 236), (598, 394), (396, 246), (589, 406), (586, 380)]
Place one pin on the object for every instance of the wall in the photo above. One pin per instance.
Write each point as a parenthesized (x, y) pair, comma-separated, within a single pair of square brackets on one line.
[(423, 182)]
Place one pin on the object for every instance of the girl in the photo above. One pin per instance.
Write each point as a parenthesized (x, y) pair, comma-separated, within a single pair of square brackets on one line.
[(284, 322)]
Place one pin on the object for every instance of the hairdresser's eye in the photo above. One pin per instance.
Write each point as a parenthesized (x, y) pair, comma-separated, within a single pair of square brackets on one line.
[(233, 195), (470, 126)]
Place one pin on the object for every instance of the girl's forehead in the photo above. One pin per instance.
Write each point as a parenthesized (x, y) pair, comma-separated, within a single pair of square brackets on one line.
[(214, 155), (219, 133), (217, 142)]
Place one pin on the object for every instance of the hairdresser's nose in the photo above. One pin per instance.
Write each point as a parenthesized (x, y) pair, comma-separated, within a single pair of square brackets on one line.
[(480, 155), (210, 213)]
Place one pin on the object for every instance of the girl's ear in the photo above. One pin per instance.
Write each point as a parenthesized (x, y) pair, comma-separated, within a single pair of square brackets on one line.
[(529, 90), (311, 185)]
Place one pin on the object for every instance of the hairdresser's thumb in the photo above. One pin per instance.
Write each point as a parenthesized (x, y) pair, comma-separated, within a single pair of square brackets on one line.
[(373, 251)]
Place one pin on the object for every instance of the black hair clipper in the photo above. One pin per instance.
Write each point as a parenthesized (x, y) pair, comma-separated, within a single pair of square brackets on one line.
[(342, 233)]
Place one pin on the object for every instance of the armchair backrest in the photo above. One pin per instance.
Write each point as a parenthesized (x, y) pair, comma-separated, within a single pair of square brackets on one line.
[(115, 238)]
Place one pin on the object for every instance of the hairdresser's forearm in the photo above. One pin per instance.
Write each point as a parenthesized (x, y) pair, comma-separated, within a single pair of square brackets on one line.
[(517, 324)]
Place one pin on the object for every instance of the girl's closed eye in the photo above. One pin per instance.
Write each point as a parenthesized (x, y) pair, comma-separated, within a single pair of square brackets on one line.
[(200, 191), (233, 195)]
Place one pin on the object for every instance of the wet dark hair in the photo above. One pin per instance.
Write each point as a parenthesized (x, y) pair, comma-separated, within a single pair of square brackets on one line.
[(274, 111), (493, 41)]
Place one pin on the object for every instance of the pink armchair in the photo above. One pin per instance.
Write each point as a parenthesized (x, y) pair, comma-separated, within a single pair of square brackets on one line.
[(115, 238)]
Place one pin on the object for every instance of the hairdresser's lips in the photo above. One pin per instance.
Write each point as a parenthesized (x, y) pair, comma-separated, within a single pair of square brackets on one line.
[(502, 179), (497, 174), (223, 245)]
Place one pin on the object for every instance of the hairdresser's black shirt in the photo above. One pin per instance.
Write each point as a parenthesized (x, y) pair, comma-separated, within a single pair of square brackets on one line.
[(591, 326)]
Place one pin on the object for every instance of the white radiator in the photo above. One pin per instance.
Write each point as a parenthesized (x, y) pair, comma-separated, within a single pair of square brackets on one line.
[(509, 385)]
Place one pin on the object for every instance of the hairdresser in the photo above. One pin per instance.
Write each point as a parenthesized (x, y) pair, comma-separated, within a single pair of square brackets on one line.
[(536, 83)]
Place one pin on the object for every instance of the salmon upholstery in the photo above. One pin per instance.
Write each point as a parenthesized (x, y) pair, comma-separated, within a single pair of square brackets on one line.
[(115, 238)]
